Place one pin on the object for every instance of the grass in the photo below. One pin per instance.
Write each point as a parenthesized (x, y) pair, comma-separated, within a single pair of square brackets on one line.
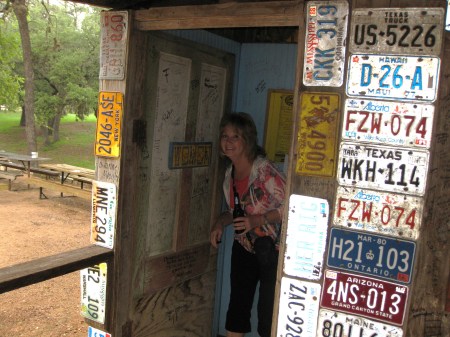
[(76, 145)]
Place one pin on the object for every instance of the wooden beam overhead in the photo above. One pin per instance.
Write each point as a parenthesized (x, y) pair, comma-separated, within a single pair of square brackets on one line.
[(226, 15)]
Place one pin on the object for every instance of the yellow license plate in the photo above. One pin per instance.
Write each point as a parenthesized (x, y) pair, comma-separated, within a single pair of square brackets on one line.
[(318, 133), (109, 124)]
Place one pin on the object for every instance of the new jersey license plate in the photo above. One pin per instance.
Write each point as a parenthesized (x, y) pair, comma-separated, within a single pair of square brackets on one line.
[(333, 323), (370, 254), (388, 123), (364, 296), (398, 215), (383, 168), (393, 77)]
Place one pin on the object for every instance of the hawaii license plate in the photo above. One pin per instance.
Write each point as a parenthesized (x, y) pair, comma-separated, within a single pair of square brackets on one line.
[(368, 297), (383, 168), (333, 323), (393, 77), (370, 254), (413, 31), (388, 123), (398, 215)]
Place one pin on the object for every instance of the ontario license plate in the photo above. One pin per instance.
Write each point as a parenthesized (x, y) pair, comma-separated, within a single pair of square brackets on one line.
[(370, 254), (333, 323), (299, 308), (388, 123), (393, 77), (325, 43), (413, 31), (398, 215), (383, 168), (368, 297), (306, 235)]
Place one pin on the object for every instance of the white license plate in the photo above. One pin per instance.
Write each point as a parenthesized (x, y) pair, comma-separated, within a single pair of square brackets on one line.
[(306, 236), (334, 323), (103, 216), (393, 77), (325, 43), (383, 168), (398, 215), (388, 123), (412, 31), (299, 308), (93, 292)]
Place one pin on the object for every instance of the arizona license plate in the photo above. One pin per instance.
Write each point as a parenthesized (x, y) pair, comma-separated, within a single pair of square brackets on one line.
[(383, 168), (413, 31), (299, 308), (393, 77), (368, 297), (370, 254), (333, 323), (388, 123), (397, 215)]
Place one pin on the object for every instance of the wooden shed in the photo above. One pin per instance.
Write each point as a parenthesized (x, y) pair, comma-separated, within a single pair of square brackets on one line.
[(378, 261)]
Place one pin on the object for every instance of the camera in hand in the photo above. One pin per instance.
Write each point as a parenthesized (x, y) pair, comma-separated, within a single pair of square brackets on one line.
[(238, 211)]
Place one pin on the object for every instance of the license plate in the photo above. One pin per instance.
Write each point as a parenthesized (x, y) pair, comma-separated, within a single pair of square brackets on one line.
[(93, 332), (93, 292), (368, 297), (333, 323), (370, 254), (388, 123), (412, 31), (318, 134), (393, 77), (103, 216), (299, 308), (306, 236), (325, 43), (383, 168), (398, 215)]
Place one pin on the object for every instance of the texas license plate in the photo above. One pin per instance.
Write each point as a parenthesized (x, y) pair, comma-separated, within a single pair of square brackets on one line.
[(333, 323), (398, 215), (393, 77), (388, 123), (370, 254), (383, 168), (413, 31), (368, 297)]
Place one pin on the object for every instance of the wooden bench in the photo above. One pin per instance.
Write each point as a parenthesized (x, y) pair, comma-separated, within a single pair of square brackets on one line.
[(39, 170), (57, 186), (10, 176)]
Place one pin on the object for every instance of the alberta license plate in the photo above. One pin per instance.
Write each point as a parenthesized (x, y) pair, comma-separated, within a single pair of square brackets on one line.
[(383, 168), (398, 215), (333, 323), (370, 254), (368, 297), (389, 123), (413, 31), (393, 77)]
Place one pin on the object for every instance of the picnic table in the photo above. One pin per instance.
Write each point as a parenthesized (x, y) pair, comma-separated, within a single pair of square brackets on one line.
[(80, 174), (21, 162)]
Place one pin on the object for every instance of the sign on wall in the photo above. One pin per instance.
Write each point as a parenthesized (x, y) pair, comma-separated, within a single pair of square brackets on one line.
[(189, 154), (103, 216)]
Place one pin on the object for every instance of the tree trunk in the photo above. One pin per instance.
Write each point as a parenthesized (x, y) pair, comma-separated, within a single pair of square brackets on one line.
[(21, 11), (56, 124), (22, 117)]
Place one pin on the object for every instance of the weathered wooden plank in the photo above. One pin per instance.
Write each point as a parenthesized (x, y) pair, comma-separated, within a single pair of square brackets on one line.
[(27, 273), (226, 15)]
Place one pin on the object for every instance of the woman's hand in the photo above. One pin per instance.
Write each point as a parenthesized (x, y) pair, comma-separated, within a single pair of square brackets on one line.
[(247, 223), (216, 236)]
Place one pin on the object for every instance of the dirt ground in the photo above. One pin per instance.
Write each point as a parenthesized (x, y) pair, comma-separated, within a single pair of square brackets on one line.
[(31, 228)]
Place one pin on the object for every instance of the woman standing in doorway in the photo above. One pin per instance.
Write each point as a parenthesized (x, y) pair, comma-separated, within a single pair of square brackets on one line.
[(260, 190)]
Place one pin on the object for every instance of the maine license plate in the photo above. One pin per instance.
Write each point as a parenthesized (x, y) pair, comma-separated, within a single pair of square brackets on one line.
[(393, 77), (93, 292), (370, 254), (388, 123), (333, 323), (398, 215), (306, 236), (413, 31), (299, 308), (383, 168), (368, 297), (325, 43)]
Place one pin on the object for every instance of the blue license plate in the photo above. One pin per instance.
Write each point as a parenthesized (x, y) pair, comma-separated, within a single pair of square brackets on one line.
[(375, 255)]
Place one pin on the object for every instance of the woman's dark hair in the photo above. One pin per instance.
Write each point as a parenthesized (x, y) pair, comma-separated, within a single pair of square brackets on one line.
[(244, 123)]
